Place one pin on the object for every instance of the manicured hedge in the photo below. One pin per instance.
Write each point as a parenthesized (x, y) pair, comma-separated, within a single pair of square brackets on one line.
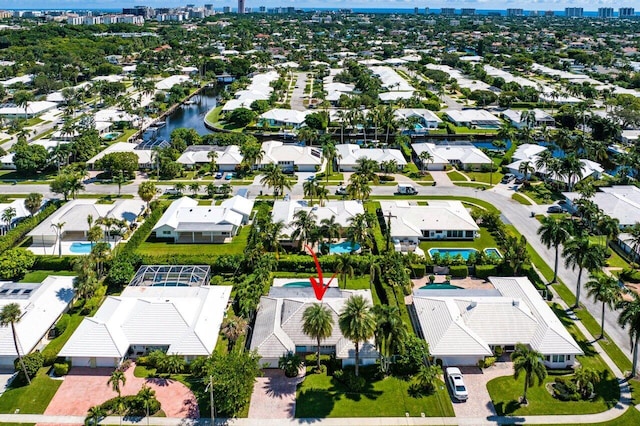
[(17, 234), (418, 270), (141, 235), (459, 271), (485, 271), (54, 263)]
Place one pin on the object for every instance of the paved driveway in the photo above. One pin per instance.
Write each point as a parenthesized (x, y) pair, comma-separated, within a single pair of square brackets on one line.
[(85, 387), (274, 396), (479, 403)]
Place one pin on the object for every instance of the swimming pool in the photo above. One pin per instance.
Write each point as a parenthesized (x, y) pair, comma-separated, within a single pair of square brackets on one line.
[(344, 247), (464, 252), (80, 248), (440, 287), (298, 284), (111, 136)]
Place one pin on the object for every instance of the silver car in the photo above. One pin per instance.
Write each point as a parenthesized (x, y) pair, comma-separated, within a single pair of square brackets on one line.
[(456, 383)]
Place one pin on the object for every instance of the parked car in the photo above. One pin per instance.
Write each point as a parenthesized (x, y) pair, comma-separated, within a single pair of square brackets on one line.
[(519, 180), (406, 189), (508, 178), (288, 171), (456, 383), (555, 209), (219, 175), (229, 176), (341, 190), (311, 178)]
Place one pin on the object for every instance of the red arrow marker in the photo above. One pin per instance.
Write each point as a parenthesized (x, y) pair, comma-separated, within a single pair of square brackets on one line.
[(319, 287)]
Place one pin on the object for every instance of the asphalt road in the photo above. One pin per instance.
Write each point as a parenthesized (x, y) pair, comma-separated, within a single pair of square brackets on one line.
[(513, 212), (297, 97)]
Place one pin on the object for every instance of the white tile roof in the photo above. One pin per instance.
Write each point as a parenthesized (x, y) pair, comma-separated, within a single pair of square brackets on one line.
[(276, 151), (187, 319), (527, 151), (40, 309), (145, 156), (199, 154), (410, 219), (18, 206), (468, 323), (171, 81), (427, 115), (473, 116), (442, 154), (342, 210), (621, 202), (186, 215), (35, 107), (350, 153), (288, 116), (278, 326)]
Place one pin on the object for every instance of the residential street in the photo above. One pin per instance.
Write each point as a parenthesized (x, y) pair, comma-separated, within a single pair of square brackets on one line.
[(513, 213)]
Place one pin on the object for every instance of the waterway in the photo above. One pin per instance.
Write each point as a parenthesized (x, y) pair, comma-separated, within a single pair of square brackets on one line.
[(187, 115)]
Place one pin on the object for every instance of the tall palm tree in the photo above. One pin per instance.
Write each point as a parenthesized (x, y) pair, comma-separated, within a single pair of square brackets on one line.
[(10, 315), (357, 323), (58, 229), (8, 215), (359, 231), (194, 187), (95, 413), (573, 169), (304, 222), (117, 380), (527, 169), (606, 289), (147, 396), (391, 333), (252, 153), (232, 329), (146, 191), (317, 324), (630, 316), (344, 267), (310, 189), (212, 156), (506, 132), (330, 228), (22, 98), (425, 158), (608, 227), (33, 202), (329, 153), (276, 179), (578, 252), (531, 363), (554, 232)]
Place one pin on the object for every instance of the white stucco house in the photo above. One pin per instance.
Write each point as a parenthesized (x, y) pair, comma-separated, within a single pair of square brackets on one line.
[(348, 155), (180, 317), (473, 118), (426, 118), (41, 305), (278, 326), (20, 213), (515, 117), (187, 222), (284, 117), (227, 159), (464, 326), (33, 109), (620, 202), (291, 157), (464, 156), (145, 156)]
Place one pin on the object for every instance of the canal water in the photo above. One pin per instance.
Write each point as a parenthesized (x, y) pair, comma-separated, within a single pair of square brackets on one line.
[(190, 116)]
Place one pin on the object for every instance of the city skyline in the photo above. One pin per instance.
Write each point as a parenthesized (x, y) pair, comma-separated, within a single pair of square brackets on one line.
[(556, 5)]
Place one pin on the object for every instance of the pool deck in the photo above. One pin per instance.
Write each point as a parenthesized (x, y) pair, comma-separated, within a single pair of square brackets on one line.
[(41, 250), (280, 282), (467, 283)]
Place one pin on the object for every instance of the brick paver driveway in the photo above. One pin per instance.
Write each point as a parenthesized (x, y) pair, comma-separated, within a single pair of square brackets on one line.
[(85, 387), (274, 396), (479, 403)]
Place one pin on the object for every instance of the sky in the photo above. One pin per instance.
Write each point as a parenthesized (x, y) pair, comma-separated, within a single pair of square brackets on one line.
[(404, 4)]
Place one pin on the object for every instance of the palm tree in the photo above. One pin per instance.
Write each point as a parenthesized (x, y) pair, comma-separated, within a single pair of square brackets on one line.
[(95, 413), (531, 363), (554, 232), (212, 156), (309, 189), (10, 315), (367, 168), (578, 252), (58, 229), (608, 227), (8, 215), (329, 153), (33, 202), (572, 168), (317, 324), (425, 157), (357, 323), (606, 289), (427, 376), (506, 132), (252, 153), (116, 380), (146, 191), (330, 228), (232, 329), (359, 231), (308, 135), (179, 187), (344, 267), (304, 223), (147, 396), (21, 99), (391, 333), (194, 187), (630, 316), (276, 179)]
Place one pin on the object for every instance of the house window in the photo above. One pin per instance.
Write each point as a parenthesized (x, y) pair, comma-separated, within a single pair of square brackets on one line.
[(166, 232), (558, 358), (469, 234)]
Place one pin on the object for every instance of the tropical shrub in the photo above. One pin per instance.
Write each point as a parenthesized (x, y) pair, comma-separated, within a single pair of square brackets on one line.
[(61, 369), (485, 271), (32, 362), (459, 271)]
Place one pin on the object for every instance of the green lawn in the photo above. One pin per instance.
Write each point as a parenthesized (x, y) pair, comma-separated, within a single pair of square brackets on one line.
[(214, 115), (456, 176), (519, 198), (166, 248), (39, 276), (540, 194), (126, 134), (32, 399), (630, 417), (321, 396), (55, 345), (486, 240), (465, 200), (505, 391), (615, 260), (477, 185), (485, 177)]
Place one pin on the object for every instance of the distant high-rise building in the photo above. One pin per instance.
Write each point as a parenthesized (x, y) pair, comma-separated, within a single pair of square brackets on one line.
[(626, 12), (515, 12), (208, 6), (416, 10), (573, 12), (468, 11), (447, 11), (240, 6), (226, 9), (605, 12), (263, 9), (549, 13)]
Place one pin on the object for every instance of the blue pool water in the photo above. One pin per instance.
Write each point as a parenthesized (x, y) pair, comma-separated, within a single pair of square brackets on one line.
[(344, 247), (452, 252), (492, 147), (80, 248), (298, 284), (492, 252), (440, 287)]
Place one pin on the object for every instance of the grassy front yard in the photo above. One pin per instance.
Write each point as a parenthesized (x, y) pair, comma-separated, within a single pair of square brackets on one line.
[(485, 177), (321, 396), (630, 417), (456, 176), (39, 276), (505, 391), (32, 399), (519, 198), (168, 248), (486, 240)]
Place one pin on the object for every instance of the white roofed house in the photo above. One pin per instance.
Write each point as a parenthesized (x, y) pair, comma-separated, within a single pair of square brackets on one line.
[(20, 213), (41, 305), (473, 118), (424, 117), (348, 155), (280, 117), (620, 202), (291, 157), (33, 109), (227, 159), (169, 82), (187, 222), (460, 154), (171, 309), (278, 327), (518, 119), (145, 156), (464, 326), (440, 220)]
